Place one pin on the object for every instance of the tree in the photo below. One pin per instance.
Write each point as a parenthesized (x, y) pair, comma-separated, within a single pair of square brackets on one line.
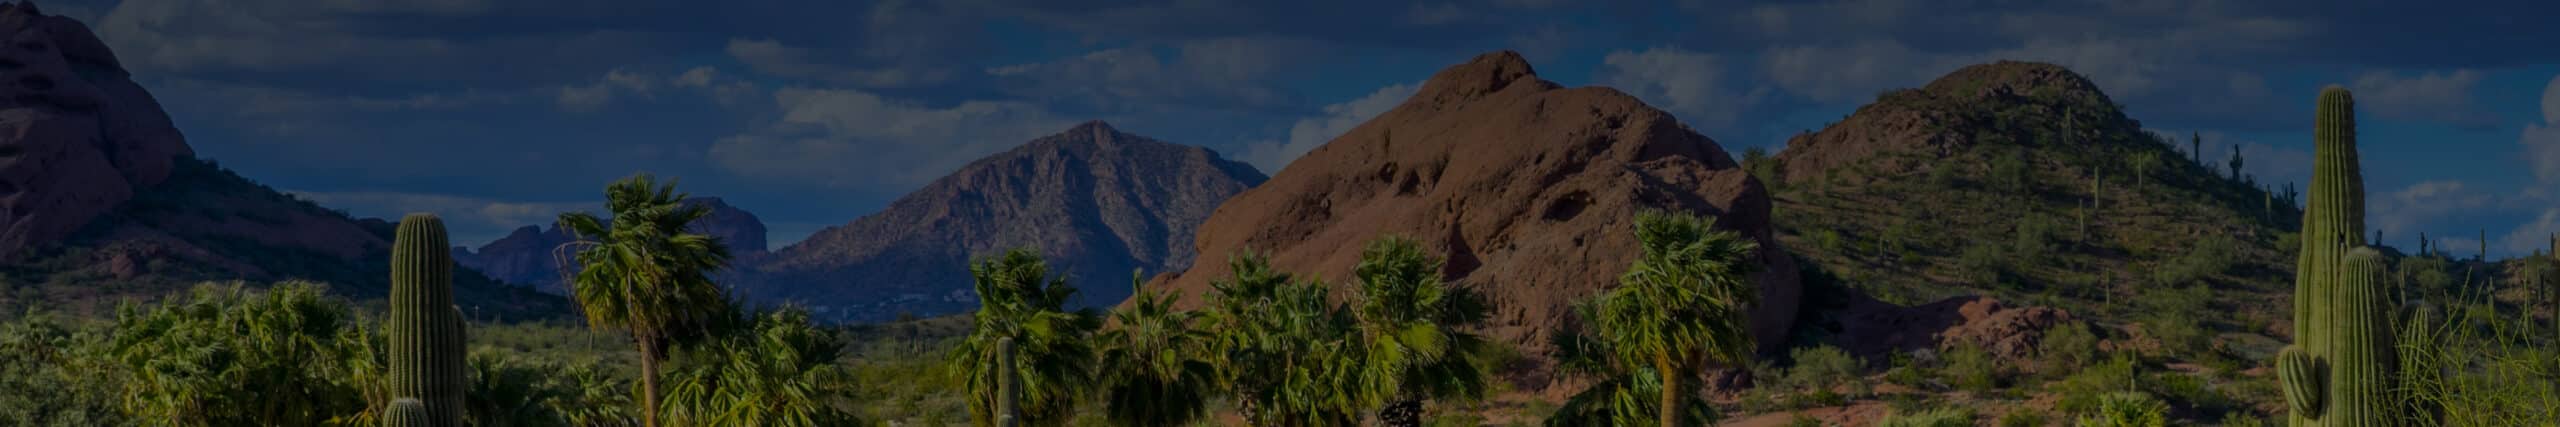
[(227, 355), (1620, 394), (1681, 306), (1281, 347), (645, 274), (1408, 321), (781, 371), (1157, 357), (1020, 300)]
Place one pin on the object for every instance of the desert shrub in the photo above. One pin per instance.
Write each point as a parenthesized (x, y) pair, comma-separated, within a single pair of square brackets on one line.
[(2173, 315), (1910, 370), (2011, 174), (2035, 242), (2082, 390), (2023, 417), (1982, 263), (1822, 368), (1970, 368), (2188, 390), (2066, 348), (2128, 409), (1802, 420), (1941, 417), (2206, 258)]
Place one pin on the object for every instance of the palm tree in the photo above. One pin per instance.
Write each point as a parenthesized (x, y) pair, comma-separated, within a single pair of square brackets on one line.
[(1681, 306), (1408, 320), (781, 371), (1159, 374), (1280, 347), (1619, 394), (645, 274), (1018, 299)]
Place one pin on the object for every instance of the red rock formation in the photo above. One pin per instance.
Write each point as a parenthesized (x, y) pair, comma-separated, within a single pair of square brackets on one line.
[(1529, 189), (77, 136)]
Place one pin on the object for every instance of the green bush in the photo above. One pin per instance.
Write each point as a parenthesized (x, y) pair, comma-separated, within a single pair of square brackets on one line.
[(1941, 417), (1802, 420), (2082, 391), (2210, 257), (1824, 367), (2128, 409), (1970, 368), (2173, 315), (2066, 348), (2023, 417), (1908, 371)]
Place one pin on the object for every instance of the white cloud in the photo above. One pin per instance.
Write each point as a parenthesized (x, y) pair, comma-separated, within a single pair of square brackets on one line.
[(772, 57), (2533, 235), (615, 83), (2420, 204), (1312, 132), (852, 139), (2434, 96), (1691, 85), (2542, 140)]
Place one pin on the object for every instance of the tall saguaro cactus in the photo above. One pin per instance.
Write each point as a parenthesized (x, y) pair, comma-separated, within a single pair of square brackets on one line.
[(425, 330), (2339, 371)]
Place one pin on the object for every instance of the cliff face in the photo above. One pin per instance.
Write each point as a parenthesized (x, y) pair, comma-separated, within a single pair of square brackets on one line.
[(1530, 189), (77, 136), (1097, 202)]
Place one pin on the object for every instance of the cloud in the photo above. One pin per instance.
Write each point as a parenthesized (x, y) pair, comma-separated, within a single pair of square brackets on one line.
[(2542, 140), (1217, 73), (845, 138), (2423, 203), (1312, 132), (1691, 85), (618, 82), (474, 220), (2435, 96), (772, 57), (2535, 234)]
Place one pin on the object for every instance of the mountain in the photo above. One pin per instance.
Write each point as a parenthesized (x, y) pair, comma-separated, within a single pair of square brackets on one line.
[(1097, 202), (2024, 181), (1528, 188), (105, 201), (527, 255)]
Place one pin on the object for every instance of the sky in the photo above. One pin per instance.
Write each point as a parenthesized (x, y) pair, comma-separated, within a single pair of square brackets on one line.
[(501, 113)]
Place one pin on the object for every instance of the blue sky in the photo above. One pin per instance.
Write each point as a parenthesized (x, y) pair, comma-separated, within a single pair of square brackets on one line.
[(503, 113)]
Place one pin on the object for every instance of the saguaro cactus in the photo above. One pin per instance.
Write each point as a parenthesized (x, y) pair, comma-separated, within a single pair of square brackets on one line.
[(405, 412), (2339, 371), (2364, 349), (1008, 386), (425, 330)]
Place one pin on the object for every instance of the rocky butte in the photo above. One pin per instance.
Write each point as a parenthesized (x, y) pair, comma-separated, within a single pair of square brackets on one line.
[(1097, 202), (1530, 189)]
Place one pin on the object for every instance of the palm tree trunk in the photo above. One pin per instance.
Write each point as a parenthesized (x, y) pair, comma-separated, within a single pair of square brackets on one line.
[(1402, 413), (1670, 391), (648, 381)]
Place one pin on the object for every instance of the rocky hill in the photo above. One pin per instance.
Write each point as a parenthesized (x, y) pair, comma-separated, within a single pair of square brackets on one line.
[(1098, 202), (527, 255), (2023, 181), (1530, 189), (105, 201)]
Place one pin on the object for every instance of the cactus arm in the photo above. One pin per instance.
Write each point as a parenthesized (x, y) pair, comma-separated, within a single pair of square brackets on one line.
[(405, 412), (2304, 382)]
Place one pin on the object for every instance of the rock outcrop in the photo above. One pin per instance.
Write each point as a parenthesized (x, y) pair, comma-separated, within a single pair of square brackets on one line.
[(530, 255), (1529, 189), (77, 136), (1875, 329), (1095, 201)]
